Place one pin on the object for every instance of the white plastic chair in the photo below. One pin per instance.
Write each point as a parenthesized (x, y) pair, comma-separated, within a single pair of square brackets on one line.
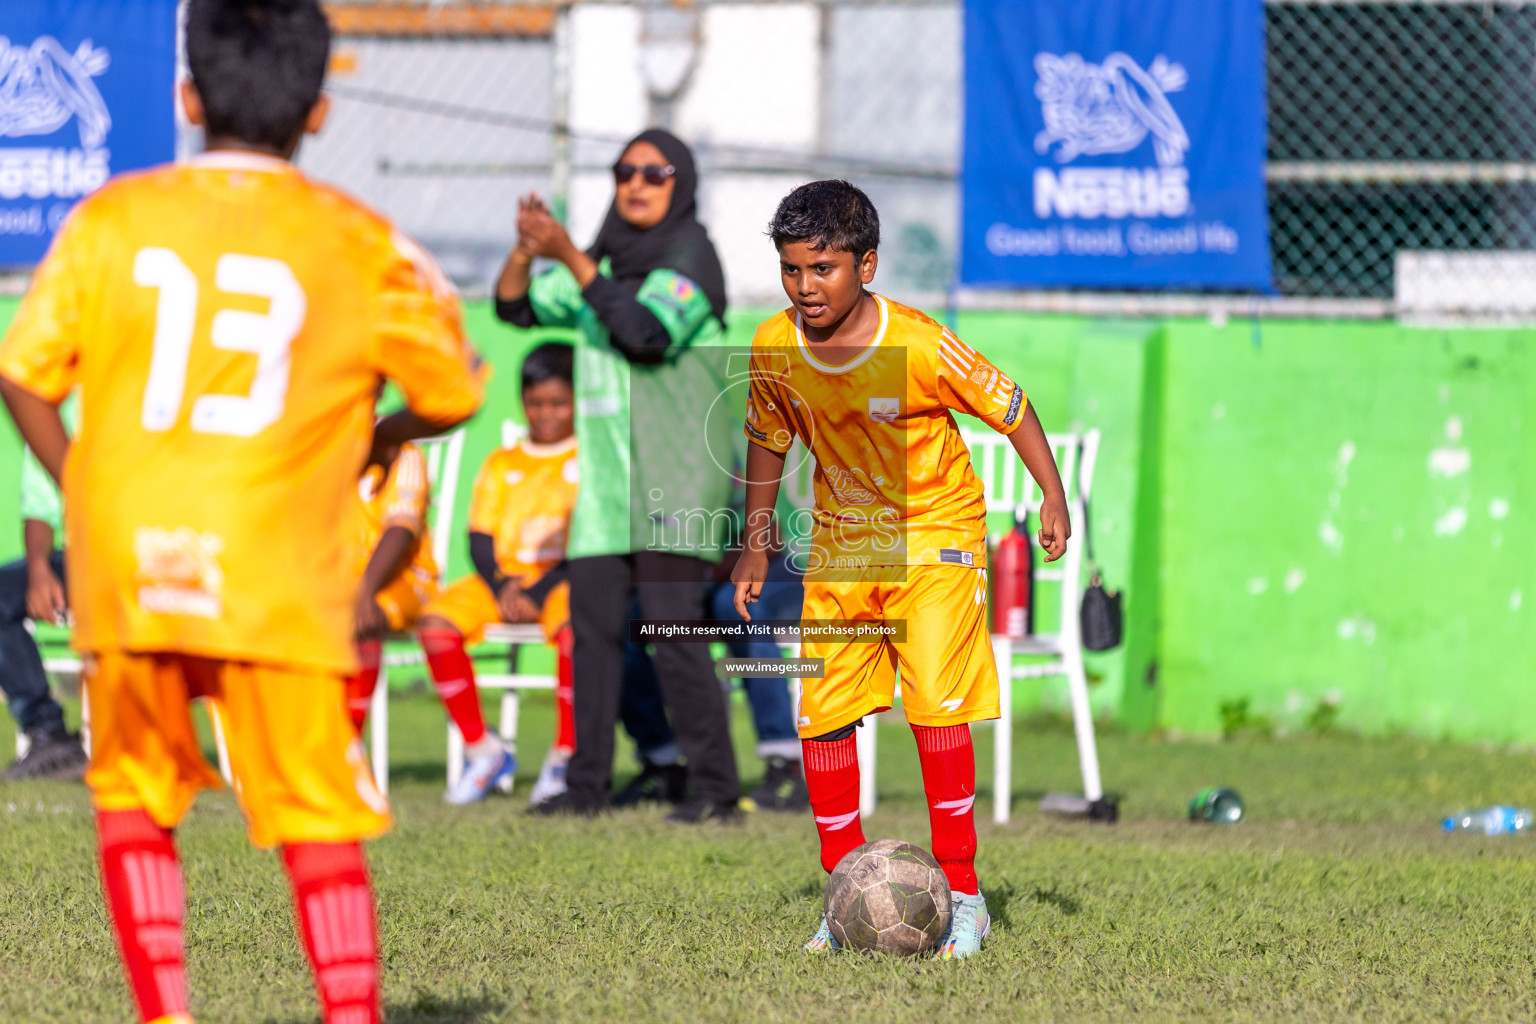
[(1009, 488)]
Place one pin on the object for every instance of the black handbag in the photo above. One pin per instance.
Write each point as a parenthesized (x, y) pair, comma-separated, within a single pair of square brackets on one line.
[(1103, 622)]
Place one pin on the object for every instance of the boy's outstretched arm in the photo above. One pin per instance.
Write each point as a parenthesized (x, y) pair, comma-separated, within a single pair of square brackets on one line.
[(1055, 526), (40, 425), (765, 467)]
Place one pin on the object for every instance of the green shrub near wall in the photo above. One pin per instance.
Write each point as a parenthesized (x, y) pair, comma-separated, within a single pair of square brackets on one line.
[(1300, 513)]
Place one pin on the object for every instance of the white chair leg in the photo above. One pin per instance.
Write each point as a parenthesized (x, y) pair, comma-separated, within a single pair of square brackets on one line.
[(219, 743), (455, 755), (1002, 732), (85, 718), (864, 743), (378, 730), (508, 730), (1082, 723)]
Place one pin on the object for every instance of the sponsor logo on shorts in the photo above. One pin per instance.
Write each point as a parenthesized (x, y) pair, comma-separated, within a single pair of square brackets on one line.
[(1013, 405), (956, 557), (953, 704)]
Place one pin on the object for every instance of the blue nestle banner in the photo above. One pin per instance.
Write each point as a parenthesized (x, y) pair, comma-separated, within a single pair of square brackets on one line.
[(1114, 143), (85, 92)]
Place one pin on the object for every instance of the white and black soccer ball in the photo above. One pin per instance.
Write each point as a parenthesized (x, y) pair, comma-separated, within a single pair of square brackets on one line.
[(888, 897)]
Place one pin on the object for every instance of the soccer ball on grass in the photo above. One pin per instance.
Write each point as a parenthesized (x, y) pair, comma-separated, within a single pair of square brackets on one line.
[(888, 897)]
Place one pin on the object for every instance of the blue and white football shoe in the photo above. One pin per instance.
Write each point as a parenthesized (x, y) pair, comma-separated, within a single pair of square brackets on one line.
[(823, 938), (969, 923), (482, 772)]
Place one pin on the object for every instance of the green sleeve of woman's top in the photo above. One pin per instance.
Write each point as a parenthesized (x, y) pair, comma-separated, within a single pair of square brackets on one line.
[(680, 305), (555, 297)]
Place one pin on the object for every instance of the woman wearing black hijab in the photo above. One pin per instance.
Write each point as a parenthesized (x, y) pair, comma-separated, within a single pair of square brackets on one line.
[(647, 302)]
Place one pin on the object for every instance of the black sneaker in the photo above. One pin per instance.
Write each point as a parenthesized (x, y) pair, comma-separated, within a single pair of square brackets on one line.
[(698, 810), (54, 754), (656, 783), (783, 787), (566, 803)]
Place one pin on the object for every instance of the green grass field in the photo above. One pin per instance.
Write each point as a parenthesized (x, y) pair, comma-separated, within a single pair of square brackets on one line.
[(1336, 901)]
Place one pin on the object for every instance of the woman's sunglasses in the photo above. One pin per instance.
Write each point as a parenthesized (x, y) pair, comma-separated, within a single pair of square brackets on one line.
[(654, 174)]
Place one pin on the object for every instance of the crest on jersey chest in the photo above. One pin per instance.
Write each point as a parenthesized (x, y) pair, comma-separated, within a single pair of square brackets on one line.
[(884, 410)]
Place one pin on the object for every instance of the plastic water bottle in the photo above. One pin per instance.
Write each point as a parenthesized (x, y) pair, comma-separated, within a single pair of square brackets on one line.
[(1218, 805), (1491, 821)]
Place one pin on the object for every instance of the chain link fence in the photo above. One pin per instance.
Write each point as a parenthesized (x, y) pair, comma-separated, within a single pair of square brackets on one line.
[(1402, 136)]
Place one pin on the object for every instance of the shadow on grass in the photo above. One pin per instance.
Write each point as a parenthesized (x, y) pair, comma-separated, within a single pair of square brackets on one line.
[(428, 1008), (1003, 899), (424, 771)]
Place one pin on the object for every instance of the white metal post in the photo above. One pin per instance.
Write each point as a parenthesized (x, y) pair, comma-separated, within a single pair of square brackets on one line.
[(1002, 739)]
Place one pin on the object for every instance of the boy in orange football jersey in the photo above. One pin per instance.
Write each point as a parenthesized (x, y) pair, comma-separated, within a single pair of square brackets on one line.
[(518, 519), (227, 322), (868, 385), (399, 572)]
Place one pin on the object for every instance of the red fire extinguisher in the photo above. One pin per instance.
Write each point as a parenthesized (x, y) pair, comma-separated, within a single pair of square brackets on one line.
[(1012, 567)]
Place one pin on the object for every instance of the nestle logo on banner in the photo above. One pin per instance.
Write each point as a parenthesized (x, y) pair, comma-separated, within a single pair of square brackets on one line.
[(42, 88), (1112, 107)]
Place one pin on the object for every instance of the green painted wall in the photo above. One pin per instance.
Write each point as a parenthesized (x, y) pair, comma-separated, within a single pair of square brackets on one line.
[(1345, 511), (1297, 511)]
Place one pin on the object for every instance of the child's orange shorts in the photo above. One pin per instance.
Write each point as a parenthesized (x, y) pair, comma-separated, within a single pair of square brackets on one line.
[(403, 599), (469, 604), (948, 674), (300, 772)]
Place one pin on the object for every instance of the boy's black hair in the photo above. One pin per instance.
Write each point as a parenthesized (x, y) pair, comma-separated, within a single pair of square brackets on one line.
[(831, 214), (549, 361), (258, 66)]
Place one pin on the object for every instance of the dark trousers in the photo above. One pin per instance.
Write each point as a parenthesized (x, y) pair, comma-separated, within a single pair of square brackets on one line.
[(642, 708), (21, 666), (669, 587)]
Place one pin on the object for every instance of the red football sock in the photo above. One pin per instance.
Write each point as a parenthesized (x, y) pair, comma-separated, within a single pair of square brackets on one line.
[(142, 880), (565, 688), (333, 899), (949, 780), (832, 779), (360, 687), (454, 676)]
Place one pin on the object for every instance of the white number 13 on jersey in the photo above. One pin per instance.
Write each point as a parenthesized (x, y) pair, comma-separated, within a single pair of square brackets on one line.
[(268, 336)]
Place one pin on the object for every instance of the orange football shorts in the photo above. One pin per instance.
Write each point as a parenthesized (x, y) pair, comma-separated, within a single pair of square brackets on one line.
[(299, 769), (948, 674), (403, 599), (469, 604)]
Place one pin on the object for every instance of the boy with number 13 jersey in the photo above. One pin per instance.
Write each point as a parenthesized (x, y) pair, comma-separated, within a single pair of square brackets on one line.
[(228, 322)]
